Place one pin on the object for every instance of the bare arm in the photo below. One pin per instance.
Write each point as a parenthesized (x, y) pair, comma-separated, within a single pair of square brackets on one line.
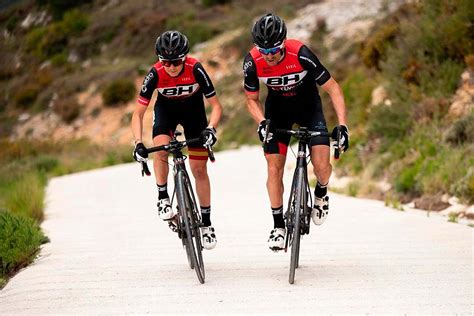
[(216, 112), (254, 106), (337, 98), (137, 122)]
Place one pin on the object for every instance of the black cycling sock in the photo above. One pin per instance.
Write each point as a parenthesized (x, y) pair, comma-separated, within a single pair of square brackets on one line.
[(206, 215), (278, 221), (162, 191), (321, 190)]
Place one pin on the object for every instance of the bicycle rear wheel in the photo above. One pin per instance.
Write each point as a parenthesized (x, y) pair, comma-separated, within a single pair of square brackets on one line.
[(295, 243), (191, 223)]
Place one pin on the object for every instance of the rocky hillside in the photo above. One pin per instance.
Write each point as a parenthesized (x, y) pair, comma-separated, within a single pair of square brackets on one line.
[(405, 67)]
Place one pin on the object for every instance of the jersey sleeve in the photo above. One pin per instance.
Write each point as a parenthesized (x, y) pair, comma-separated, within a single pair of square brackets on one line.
[(311, 63), (204, 81), (149, 85), (251, 83)]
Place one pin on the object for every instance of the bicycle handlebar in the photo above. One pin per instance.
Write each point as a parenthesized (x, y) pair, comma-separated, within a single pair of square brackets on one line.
[(173, 146), (305, 133), (300, 133)]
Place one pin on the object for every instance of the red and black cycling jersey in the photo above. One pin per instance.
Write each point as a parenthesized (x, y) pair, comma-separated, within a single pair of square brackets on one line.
[(192, 81), (295, 75)]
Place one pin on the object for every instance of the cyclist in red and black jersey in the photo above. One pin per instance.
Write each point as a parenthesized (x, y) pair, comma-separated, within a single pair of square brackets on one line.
[(182, 83), (291, 71)]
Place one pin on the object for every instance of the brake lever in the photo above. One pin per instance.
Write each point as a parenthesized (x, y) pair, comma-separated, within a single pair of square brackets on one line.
[(145, 170)]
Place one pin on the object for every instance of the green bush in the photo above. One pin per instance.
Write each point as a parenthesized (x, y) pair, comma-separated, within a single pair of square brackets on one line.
[(196, 31), (67, 108), (59, 59), (461, 131), (26, 96), (357, 88), (118, 92), (52, 40), (27, 196), (405, 181), (20, 239), (389, 122), (45, 163), (12, 22), (60, 7), (75, 22), (373, 49), (210, 3), (464, 187)]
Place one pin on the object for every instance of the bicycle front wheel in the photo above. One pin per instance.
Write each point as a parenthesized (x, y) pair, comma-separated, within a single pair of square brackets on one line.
[(298, 210), (191, 223)]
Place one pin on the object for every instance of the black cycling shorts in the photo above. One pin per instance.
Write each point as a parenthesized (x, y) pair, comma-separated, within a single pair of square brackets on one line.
[(191, 116), (284, 115)]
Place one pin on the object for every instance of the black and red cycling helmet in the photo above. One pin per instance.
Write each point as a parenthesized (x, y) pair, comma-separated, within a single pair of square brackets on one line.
[(171, 45), (269, 31)]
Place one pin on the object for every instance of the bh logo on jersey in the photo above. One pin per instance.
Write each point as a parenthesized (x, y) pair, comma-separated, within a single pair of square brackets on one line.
[(284, 81), (179, 91)]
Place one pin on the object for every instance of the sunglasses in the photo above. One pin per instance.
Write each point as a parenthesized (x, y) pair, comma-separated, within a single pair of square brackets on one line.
[(174, 62), (273, 50)]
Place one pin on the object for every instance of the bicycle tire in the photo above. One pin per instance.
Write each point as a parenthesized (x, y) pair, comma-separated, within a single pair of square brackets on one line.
[(188, 251), (196, 223), (193, 235), (295, 243)]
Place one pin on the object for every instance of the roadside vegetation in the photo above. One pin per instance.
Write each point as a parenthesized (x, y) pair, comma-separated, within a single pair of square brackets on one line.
[(417, 55), (25, 167)]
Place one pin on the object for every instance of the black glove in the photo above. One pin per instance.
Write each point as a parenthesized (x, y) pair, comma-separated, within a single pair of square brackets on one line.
[(140, 154), (261, 131), (343, 137), (208, 136)]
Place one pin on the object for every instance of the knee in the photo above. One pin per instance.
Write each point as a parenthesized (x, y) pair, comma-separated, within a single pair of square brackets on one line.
[(199, 172), (275, 172), (161, 157), (321, 167)]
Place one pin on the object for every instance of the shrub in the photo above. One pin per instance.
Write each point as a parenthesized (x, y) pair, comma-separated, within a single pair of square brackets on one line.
[(357, 88), (118, 92), (49, 41), (7, 66), (389, 122), (12, 22), (210, 3), (195, 30), (27, 196), (464, 188), (60, 7), (67, 108), (45, 163), (20, 238), (75, 22), (461, 131), (405, 181), (60, 59), (26, 96), (373, 50)]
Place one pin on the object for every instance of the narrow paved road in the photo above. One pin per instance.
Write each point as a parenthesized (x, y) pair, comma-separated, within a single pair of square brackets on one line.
[(109, 253)]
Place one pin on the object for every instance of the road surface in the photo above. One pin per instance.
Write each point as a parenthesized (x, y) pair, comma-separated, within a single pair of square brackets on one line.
[(109, 253)]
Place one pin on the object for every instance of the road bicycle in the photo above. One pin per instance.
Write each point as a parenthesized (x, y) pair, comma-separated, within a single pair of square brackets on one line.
[(188, 219), (298, 215)]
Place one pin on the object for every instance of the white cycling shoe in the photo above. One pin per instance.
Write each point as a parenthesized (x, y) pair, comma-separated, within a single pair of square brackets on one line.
[(165, 211), (276, 241), (320, 210), (209, 239)]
